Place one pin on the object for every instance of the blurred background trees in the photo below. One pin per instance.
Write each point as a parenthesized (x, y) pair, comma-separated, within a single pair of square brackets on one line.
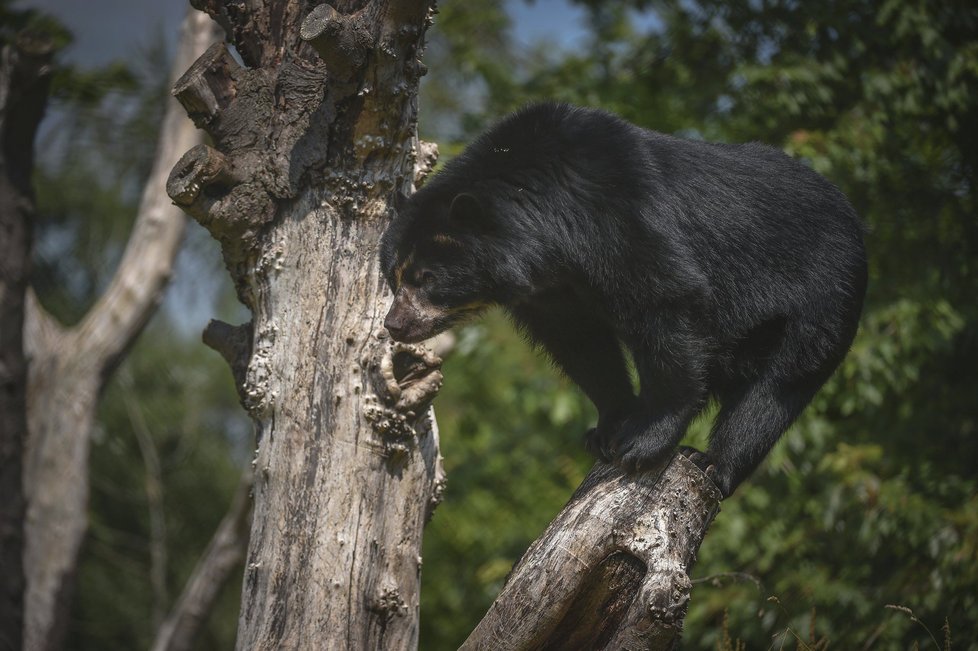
[(871, 500)]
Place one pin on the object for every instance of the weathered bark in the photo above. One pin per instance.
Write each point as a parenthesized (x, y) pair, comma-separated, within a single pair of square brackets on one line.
[(225, 552), (68, 367), (313, 142), (24, 82), (612, 569)]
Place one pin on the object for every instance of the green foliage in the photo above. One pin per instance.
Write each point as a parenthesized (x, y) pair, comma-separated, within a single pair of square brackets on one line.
[(30, 22), (871, 498), (473, 56)]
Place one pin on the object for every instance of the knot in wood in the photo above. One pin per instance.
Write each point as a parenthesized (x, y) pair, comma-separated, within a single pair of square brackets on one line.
[(669, 597), (405, 379), (410, 377), (389, 604)]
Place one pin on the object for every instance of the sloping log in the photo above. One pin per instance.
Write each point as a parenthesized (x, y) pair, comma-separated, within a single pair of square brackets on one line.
[(612, 569)]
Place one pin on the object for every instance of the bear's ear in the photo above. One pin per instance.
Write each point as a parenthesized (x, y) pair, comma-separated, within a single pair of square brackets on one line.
[(466, 210)]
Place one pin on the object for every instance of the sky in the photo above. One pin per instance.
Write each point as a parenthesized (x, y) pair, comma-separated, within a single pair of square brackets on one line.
[(107, 30)]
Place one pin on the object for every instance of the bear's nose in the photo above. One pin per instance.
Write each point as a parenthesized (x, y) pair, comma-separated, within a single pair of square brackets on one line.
[(395, 326)]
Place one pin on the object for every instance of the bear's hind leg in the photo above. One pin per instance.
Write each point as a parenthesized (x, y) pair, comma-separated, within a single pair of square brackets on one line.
[(753, 418)]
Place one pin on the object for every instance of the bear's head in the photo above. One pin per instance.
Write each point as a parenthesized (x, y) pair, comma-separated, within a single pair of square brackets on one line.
[(441, 259)]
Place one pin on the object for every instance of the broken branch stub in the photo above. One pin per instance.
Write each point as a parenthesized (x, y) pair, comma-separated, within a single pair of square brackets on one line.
[(200, 173), (342, 41), (208, 86), (207, 185), (234, 345)]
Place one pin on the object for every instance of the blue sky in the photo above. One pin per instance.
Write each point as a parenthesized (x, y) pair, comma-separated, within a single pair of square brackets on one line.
[(106, 30)]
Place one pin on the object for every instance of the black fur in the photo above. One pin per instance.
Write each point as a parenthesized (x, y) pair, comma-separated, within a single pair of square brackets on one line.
[(728, 271)]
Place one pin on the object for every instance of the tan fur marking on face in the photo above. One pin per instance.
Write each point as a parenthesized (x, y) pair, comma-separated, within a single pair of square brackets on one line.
[(446, 240), (435, 311), (401, 268), (468, 307)]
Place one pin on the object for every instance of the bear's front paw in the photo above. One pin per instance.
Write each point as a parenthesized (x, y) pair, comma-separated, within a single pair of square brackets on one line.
[(640, 453), (597, 443), (717, 473), (600, 441), (642, 443)]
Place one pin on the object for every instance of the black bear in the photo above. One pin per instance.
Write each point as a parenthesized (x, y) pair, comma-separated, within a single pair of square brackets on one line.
[(729, 272)]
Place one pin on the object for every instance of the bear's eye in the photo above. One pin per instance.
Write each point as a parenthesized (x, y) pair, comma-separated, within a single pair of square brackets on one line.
[(425, 277)]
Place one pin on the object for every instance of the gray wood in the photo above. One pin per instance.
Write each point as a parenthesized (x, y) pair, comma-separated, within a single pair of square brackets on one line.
[(612, 569), (312, 141)]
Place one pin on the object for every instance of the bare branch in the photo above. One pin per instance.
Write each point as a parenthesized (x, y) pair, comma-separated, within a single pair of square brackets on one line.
[(42, 332), (68, 368), (225, 552), (24, 81), (611, 570), (136, 289), (234, 345)]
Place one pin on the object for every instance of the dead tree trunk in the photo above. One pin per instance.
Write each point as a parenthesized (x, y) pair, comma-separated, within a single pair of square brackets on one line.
[(24, 81), (69, 366), (315, 141)]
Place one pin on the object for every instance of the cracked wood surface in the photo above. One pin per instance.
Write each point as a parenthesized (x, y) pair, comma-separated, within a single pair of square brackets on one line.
[(313, 139)]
